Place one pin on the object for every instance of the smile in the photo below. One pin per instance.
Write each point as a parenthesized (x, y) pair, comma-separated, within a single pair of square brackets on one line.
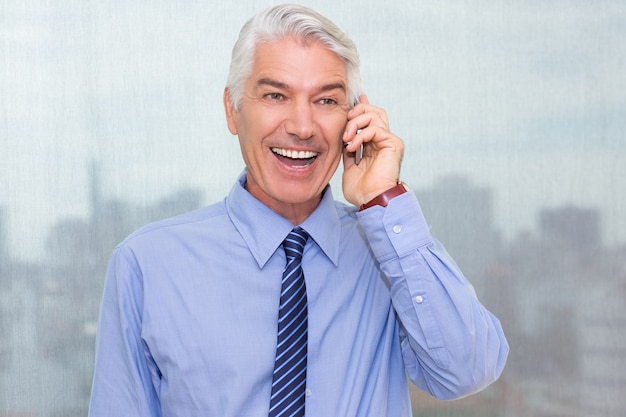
[(296, 159)]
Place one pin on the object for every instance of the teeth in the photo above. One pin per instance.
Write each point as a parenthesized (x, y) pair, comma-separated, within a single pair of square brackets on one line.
[(294, 154)]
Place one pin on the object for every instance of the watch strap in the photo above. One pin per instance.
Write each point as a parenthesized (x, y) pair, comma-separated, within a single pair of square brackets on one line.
[(383, 198)]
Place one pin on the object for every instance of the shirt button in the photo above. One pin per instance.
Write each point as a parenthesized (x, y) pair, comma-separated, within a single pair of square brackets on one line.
[(397, 229), (419, 299), (307, 392)]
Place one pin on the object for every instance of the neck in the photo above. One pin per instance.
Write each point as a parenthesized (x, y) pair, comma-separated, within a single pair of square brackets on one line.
[(295, 212)]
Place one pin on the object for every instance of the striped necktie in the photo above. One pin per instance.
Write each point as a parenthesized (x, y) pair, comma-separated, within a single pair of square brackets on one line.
[(289, 379)]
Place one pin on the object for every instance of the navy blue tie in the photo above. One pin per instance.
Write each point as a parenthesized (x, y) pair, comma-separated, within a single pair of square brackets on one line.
[(289, 379)]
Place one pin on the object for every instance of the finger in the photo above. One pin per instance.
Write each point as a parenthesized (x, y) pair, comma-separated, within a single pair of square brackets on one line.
[(364, 116), (360, 107), (365, 122), (364, 129), (364, 108)]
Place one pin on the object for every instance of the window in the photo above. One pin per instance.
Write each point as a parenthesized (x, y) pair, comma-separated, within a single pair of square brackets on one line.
[(514, 118)]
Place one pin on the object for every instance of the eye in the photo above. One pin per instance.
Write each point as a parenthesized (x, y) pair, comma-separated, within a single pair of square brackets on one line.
[(328, 101), (275, 96)]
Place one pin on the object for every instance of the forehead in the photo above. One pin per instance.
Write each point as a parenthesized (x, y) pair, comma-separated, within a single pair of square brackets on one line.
[(297, 64)]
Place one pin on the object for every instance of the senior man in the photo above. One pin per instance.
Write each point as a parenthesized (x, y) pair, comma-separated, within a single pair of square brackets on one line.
[(280, 300)]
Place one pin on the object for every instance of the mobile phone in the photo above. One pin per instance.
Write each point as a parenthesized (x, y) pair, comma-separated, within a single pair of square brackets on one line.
[(358, 155)]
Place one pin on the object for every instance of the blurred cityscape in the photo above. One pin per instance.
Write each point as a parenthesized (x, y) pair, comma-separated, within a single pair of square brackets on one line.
[(558, 291)]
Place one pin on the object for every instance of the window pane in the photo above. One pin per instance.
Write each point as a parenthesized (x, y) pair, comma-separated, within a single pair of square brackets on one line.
[(514, 118)]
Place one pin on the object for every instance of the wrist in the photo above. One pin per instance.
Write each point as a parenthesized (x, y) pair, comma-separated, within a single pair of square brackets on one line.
[(383, 198)]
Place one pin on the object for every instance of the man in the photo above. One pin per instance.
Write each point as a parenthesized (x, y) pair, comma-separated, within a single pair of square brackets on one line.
[(192, 304)]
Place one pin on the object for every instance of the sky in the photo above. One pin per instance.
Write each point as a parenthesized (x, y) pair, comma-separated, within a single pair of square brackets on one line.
[(525, 97)]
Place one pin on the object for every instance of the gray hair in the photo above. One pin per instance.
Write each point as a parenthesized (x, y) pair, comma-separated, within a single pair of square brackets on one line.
[(282, 21)]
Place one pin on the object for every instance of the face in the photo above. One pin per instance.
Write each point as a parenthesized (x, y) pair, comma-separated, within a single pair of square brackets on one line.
[(290, 123)]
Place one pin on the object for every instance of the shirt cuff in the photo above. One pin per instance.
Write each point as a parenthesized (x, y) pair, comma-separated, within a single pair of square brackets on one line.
[(397, 229)]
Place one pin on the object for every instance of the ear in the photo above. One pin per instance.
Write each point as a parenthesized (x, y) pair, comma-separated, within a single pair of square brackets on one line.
[(231, 112)]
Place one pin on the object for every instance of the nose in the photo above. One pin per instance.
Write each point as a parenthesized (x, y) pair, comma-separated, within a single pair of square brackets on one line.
[(300, 120)]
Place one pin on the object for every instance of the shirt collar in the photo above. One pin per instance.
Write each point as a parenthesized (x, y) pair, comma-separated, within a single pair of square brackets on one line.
[(264, 230)]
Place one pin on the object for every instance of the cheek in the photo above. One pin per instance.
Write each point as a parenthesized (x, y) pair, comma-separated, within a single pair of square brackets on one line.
[(250, 132), (336, 139), (334, 127)]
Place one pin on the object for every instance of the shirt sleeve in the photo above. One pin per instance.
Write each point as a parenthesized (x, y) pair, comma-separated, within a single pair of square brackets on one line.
[(125, 376), (451, 345)]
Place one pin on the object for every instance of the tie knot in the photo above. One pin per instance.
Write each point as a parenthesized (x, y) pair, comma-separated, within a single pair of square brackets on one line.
[(294, 243)]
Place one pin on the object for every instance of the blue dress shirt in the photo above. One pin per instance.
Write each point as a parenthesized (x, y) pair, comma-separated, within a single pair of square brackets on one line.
[(189, 314)]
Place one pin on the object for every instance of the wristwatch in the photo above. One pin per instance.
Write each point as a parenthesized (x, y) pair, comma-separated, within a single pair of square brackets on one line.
[(383, 199)]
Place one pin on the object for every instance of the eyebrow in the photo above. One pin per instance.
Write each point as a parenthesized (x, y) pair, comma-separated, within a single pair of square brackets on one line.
[(272, 83), (333, 86), (285, 86)]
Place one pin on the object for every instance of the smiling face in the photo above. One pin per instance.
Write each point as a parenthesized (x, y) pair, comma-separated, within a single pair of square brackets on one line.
[(290, 123)]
